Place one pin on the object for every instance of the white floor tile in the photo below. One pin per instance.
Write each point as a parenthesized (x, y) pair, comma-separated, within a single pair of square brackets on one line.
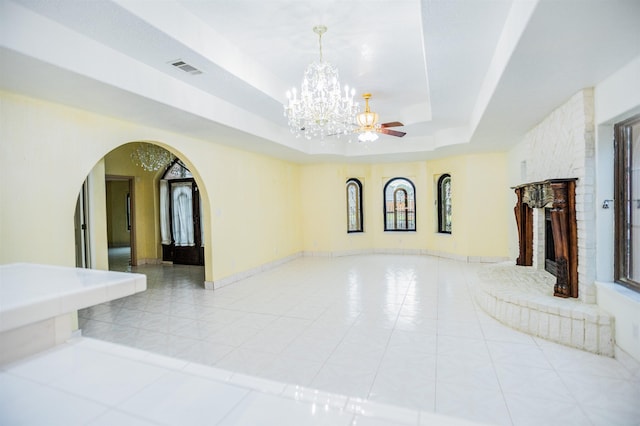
[(368, 412), (292, 370), (260, 409), (47, 369), (530, 411), (113, 382), (525, 355), (23, 402), (405, 389), (115, 417), (606, 416), (182, 399), (467, 373), (246, 361), (533, 382), (345, 380), (483, 405), (356, 325)]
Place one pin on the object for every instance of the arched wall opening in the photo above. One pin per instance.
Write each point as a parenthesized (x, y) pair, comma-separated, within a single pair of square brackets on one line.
[(137, 219)]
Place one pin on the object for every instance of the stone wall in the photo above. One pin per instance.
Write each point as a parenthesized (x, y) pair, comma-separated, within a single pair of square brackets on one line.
[(563, 146)]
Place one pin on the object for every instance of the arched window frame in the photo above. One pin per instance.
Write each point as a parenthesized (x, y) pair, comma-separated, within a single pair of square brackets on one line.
[(354, 206), (399, 216), (444, 204)]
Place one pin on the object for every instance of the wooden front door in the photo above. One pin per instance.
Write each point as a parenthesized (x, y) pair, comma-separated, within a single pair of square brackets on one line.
[(186, 237)]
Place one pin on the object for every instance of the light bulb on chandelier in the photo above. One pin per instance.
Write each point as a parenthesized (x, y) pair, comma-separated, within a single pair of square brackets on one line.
[(322, 107)]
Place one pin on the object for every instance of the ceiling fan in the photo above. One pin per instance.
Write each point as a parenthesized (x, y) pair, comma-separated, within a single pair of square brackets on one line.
[(369, 126)]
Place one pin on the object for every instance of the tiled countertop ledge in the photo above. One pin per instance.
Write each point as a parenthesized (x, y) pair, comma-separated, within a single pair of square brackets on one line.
[(522, 298), (90, 382), (30, 292)]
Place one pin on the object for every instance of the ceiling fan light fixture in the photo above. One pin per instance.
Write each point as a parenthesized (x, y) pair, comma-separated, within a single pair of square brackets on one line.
[(367, 136), (369, 126), (367, 119)]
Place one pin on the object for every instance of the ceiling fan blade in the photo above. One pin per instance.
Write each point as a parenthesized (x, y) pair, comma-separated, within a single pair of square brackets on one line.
[(392, 124), (392, 132)]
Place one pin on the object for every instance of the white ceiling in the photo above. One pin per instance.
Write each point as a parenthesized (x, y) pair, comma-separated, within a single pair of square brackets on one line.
[(462, 75)]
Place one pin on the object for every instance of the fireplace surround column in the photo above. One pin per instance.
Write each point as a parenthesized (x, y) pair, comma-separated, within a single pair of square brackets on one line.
[(559, 194)]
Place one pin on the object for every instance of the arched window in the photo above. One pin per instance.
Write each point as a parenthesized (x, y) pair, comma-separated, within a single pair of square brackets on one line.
[(399, 205), (444, 204), (354, 205)]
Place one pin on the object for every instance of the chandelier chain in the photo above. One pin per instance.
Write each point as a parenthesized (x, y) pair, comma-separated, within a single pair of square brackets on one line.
[(320, 30)]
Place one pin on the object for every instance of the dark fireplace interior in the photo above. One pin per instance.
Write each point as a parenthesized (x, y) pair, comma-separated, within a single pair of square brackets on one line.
[(549, 248)]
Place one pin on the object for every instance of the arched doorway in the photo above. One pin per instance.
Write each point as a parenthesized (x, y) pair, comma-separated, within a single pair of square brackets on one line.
[(142, 210)]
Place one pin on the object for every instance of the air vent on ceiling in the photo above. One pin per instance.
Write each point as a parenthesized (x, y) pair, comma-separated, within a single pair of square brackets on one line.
[(179, 63)]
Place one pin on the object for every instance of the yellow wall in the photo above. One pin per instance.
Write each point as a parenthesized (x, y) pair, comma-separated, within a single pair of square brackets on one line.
[(52, 148), (256, 209), (46, 158), (479, 193)]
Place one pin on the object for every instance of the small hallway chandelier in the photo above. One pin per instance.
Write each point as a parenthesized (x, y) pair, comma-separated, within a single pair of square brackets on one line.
[(151, 157), (322, 107)]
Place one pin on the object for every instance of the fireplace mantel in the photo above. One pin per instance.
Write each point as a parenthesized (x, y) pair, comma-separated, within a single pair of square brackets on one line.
[(559, 194)]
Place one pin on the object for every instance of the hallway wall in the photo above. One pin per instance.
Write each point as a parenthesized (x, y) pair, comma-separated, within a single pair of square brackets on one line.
[(52, 149), (266, 209)]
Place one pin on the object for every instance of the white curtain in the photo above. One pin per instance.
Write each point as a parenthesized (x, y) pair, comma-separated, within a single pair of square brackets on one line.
[(181, 196), (165, 223)]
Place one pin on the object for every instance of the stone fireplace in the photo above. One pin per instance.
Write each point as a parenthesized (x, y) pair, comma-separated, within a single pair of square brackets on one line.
[(523, 298), (562, 145), (550, 235)]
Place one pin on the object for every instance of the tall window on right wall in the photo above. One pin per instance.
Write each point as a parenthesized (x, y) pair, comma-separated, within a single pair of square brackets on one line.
[(627, 202), (444, 204)]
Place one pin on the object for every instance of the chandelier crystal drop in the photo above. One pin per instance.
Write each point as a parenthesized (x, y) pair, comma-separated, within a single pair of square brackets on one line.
[(322, 107), (151, 157)]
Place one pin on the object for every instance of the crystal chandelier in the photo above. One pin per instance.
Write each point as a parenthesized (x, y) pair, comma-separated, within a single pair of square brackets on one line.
[(151, 157), (321, 108)]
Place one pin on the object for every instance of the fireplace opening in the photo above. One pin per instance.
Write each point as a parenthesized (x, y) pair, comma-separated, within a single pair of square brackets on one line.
[(550, 264)]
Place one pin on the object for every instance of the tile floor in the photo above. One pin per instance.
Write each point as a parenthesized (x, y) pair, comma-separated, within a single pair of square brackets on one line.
[(96, 383), (397, 330)]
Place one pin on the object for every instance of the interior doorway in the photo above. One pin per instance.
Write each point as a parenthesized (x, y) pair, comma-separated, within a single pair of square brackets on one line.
[(120, 199), (81, 225)]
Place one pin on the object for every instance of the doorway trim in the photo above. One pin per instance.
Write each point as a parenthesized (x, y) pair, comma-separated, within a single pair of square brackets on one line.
[(132, 217)]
